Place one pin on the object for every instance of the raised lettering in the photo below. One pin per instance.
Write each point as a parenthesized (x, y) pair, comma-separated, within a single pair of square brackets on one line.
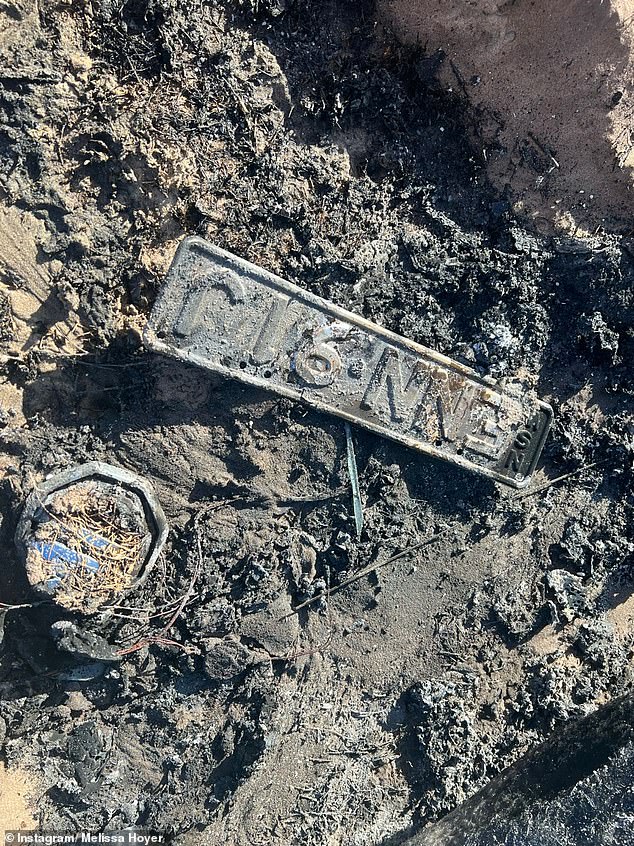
[(513, 461), (269, 339), (317, 365), (387, 383), (522, 440), (484, 437), (201, 306)]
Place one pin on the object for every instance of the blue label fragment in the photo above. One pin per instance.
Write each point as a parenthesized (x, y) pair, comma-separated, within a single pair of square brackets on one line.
[(95, 540), (62, 561)]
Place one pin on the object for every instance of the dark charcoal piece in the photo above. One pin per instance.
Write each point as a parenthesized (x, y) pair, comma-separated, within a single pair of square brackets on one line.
[(82, 644)]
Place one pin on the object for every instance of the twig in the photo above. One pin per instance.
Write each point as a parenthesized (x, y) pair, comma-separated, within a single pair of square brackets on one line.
[(285, 659), (163, 641), (354, 480), (315, 649), (311, 500), (366, 572), (459, 77), (161, 638), (188, 593), (551, 482), (127, 612), (5, 606)]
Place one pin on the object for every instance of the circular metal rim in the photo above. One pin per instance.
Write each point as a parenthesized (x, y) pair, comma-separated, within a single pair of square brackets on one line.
[(154, 514)]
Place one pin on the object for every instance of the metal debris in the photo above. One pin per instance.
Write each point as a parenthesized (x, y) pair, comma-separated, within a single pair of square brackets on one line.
[(354, 480), (227, 315), (89, 534)]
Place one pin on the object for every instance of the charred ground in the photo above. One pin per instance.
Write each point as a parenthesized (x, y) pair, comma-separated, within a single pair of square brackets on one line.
[(306, 140)]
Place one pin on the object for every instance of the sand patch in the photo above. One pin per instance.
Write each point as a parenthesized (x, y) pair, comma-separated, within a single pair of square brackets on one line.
[(16, 799)]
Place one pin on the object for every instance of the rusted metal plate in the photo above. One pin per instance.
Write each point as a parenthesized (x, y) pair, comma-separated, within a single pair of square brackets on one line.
[(234, 318)]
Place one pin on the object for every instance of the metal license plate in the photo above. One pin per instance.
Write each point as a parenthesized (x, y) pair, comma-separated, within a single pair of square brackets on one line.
[(227, 315)]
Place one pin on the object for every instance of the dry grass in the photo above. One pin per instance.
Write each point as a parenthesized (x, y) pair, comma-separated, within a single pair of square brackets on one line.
[(89, 524)]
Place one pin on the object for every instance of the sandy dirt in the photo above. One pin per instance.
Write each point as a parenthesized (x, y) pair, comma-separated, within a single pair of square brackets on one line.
[(550, 87), (17, 799)]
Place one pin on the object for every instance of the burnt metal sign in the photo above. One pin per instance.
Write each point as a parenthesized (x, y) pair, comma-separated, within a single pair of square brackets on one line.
[(227, 315)]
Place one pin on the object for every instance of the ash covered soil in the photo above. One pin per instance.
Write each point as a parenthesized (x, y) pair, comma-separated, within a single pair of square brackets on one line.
[(305, 139)]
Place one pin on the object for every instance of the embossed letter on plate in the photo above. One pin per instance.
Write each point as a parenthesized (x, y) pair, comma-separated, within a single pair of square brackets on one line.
[(228, 315)]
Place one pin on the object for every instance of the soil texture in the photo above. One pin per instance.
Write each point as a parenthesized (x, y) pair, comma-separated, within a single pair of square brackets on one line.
[(304, 138)]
